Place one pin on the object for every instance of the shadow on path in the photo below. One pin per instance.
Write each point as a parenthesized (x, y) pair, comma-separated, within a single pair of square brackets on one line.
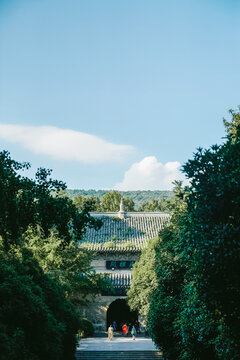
[(117, 344)]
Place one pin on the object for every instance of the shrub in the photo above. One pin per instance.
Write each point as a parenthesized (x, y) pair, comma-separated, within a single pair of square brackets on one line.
[(85, 328), (36, 321)]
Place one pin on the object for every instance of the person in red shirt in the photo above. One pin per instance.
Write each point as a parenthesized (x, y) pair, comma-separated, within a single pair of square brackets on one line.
[(125, 329)]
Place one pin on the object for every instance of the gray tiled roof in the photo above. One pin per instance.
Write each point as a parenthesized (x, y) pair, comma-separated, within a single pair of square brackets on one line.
[(120, 279), (130, 233), (120, 282)]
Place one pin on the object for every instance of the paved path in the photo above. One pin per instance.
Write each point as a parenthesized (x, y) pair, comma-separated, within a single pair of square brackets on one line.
[(117, 344)]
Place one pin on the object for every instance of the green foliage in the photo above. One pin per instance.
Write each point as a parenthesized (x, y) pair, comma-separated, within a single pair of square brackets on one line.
[(144, 281), (170, 268), (233, 126), (152, 205), (91, 203), (36, 321), (157, 280), (162, 204), (128, 204), (110, 202), (27, 202), (85, 328), (193, 313), (138, 197), (41, 266), (69, 265), (213, 232), (156, 205)]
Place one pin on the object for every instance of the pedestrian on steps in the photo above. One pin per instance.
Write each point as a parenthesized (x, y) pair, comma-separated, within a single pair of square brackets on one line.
[(125, 329), (134, 333), (110, 332)]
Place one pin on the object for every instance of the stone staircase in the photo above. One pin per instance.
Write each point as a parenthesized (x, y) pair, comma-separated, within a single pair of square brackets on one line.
[(118, 355)]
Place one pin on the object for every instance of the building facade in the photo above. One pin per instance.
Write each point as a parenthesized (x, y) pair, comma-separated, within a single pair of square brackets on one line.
[(117, 245)]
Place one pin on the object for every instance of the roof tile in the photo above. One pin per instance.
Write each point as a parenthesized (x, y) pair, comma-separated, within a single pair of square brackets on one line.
[(131, 233)]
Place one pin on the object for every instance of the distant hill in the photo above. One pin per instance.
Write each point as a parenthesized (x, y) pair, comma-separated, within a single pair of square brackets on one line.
[(138, 196)]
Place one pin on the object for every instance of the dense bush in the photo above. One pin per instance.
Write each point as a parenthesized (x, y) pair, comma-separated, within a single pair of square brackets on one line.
[(195, 306), (144, 281), (40, 264), (85, 328), (36, 321)]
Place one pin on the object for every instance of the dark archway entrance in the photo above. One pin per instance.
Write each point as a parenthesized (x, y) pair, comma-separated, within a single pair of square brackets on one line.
[(120, 312)]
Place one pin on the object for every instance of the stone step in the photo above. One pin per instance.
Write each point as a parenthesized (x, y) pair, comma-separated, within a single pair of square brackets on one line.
[(118, 355)]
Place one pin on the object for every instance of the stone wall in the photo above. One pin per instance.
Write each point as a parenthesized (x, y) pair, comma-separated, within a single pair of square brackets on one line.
[(96, 312)]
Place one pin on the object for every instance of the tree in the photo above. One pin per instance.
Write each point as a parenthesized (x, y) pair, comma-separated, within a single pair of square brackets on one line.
[(214, 228), (36, 320), (128, 204), (233, 126), (170, 268), (155, 205), (111, 202), (164, 205), (176, 313), (92, 203), (157, 280), (194, 311), (144, 281), (151, 205), (41, 266), (69, 266), (28, 202)]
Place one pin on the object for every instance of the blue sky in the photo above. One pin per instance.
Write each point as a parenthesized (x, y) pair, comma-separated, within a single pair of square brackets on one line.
[(116, 94)]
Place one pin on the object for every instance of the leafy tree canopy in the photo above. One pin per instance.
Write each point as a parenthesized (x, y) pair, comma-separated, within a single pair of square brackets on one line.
[(111, 202), (233, 126), (27, 202), (42, 270), (36, 320), (69, 266), (92, 203), (138, 196), (194, 311), (144, 281)]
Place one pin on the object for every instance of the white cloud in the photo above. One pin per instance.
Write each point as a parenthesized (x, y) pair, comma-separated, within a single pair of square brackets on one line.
[(149, 174), (64, 144)]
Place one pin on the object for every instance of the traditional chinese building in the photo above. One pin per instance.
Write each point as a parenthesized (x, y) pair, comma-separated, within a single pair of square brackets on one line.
[(117, 245)]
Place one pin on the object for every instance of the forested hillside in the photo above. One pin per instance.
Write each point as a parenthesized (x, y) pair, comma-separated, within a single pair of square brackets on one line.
[(139, 197)]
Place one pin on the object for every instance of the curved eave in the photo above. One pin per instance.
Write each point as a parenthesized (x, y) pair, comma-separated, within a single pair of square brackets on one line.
[(115, 251)]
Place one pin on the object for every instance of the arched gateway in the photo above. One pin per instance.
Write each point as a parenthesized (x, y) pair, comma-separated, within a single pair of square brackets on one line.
[(117, 245), (120, 312)]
